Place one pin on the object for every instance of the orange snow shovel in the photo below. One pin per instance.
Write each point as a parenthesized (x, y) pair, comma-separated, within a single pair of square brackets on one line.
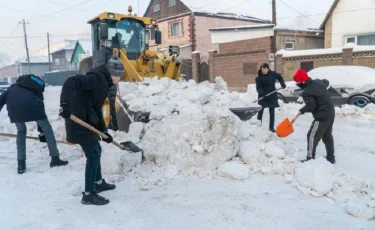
[(285, 128)]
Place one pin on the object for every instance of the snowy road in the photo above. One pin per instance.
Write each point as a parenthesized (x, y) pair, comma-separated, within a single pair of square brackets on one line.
[(45, 198)]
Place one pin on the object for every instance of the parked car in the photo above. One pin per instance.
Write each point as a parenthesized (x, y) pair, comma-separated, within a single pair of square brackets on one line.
[(353, 85), (3, 86)]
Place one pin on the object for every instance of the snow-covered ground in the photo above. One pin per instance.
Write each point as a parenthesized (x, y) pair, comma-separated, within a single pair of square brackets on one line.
[(204, 169)]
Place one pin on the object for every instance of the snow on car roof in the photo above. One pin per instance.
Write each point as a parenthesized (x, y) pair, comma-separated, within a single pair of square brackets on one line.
[(354, 76)]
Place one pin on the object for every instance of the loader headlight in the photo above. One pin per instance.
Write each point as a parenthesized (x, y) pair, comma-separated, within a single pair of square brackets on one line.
[(174, 50), (107, 43), (153, 22), (111, 15)]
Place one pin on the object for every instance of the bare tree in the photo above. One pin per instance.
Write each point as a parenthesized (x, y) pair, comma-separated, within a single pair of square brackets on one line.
[(4, 59)]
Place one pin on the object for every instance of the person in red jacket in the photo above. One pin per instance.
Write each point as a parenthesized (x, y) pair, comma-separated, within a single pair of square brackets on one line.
[(318, 101)]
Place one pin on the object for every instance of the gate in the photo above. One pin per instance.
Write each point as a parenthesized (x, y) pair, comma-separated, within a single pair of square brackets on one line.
[(204, 69), (186, 69)]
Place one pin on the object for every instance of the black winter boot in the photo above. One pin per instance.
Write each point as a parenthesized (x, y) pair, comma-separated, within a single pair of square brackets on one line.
[(272, 130), (331, 158), (21, 166), (93, 198), (104, 186), (55, 162), (307, 159)]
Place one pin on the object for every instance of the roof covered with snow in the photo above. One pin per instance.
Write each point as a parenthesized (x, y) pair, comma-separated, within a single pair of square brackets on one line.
[(67, 47), (34, 59), (292, 14), (337, 50), (257, 26)]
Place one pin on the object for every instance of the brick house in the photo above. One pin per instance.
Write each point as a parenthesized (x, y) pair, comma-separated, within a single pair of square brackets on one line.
[(347, 21), (242, 49), (186, 23)]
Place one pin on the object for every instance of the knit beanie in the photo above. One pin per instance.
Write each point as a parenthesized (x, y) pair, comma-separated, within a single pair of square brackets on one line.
[(300, 76), (115, 66)]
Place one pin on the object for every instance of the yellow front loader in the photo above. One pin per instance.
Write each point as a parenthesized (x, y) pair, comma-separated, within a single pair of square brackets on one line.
[(128, 36)]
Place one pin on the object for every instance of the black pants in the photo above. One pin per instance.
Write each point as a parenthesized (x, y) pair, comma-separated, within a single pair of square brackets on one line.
[(272, 116), (320, 130), (93, 171)]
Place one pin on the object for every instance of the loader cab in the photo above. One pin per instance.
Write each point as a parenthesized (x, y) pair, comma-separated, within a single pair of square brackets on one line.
[(127, 32)]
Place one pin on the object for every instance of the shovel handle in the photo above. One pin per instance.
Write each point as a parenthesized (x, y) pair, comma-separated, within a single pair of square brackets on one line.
[(89, 127), (267, 95), (295, 118)]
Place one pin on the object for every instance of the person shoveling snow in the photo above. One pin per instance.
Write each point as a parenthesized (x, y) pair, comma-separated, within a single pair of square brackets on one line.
[(24, 102), (320, 104), (84, 97)]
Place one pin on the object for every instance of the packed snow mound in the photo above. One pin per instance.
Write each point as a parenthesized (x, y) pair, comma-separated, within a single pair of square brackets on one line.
[(191, 125), (202, 141), (250, 151), (165, 96), (317, 175), (360, 210), (233, 170), (272, 150)]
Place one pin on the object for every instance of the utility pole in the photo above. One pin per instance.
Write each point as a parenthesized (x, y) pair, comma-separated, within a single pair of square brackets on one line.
[(138, 9), (274, 21), (49, 54), (27, 48)]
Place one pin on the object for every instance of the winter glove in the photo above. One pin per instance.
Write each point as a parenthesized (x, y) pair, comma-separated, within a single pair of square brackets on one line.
[(66, 110), (42, 138), (109, 139)]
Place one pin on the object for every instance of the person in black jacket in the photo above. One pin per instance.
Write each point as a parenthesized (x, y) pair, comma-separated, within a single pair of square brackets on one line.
[(318, 101), (84, 96), (24, 102), (265, 83)]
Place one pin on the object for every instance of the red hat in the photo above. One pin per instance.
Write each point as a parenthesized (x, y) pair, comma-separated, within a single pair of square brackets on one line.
[(300, 76)]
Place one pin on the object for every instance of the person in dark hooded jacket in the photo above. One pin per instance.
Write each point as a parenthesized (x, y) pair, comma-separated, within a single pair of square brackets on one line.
[(318, 101), (265, 83), (84, 96), (24, 102)]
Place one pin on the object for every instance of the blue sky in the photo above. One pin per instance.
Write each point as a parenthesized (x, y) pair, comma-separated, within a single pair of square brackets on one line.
[(70, 23)]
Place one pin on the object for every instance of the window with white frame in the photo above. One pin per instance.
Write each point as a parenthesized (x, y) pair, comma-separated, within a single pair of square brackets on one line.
[(176, 29), (350, 40), (289, 45), (156, 7), (362, 40), (151, 34), (172, 3)]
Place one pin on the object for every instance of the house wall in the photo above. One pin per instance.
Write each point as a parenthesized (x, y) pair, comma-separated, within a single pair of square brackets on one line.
[(78, 52), (202, 31), (352, 22), (62, 55), (238, 62), (301, 42), (36, 68), (9, 70), (167, 39), (328, 33)]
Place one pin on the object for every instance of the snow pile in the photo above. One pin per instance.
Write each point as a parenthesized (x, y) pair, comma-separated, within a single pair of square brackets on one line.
[(316, 175), (352, 111), (233, 170), (191, 125)]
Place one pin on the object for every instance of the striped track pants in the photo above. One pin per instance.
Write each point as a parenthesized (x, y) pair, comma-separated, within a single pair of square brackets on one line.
[(320, 130)]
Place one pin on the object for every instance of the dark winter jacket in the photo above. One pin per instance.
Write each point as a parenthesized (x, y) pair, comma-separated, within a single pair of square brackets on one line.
[(86, 95), (266, 84), (24, 101), (318, 100)]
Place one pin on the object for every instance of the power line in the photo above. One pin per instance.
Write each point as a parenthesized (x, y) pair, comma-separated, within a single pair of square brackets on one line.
[(299, 12), (59, 11), (61, 35), (63, 5)]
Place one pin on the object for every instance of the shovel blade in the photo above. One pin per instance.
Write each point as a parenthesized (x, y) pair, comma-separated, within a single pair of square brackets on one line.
[(284, 129), (131, 147)]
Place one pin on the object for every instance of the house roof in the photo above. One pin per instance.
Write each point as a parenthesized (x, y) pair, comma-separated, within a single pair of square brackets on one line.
[(86, 46), (33, 59), (234, 9), (67, 47), (333, 7), (245, 27)]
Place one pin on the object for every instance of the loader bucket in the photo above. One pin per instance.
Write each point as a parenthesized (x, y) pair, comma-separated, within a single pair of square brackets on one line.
[(245, 113)]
